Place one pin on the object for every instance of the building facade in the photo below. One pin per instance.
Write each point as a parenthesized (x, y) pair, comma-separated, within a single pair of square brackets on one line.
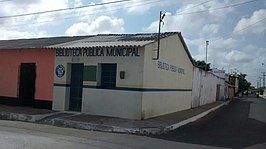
[(208, 87), (26, 77), (27, 71), (118, 75)]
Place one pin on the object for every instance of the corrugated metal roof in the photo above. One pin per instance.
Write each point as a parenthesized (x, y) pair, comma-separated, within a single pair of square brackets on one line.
[(101, 44), (113, 40), (36, 42), (103, 40), (100, 40)]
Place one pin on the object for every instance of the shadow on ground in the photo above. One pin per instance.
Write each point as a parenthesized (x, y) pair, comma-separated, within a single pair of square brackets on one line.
[(228, 127)]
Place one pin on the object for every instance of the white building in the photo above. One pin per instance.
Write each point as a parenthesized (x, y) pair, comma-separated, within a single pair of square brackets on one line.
[(208, 87), (118, 75)]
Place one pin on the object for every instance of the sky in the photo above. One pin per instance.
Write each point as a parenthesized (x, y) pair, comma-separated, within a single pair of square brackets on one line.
[(235, 29)]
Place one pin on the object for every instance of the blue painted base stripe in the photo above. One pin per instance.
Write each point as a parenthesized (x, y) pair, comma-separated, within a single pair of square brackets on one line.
[(149, 89), (61, 85), (89, 86), (130, 89)]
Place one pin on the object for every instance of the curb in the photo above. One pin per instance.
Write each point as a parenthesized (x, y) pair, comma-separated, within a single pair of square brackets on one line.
[(105, 128), (101, 127), (194, 118), (24, 117), (140, 131)]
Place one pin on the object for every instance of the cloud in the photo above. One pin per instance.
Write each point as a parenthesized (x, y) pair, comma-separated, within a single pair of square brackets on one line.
[(86, 13), (244, 25), (31, 22), (210, 29), (46, 6), (103, 24), (137, 7), (15, 34), (236, 56), (192, 24), (224, 52), (217, 47), (187, 24)]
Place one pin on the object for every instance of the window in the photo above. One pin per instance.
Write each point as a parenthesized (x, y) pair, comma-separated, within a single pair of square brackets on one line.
[(89, 73), (108, 76)]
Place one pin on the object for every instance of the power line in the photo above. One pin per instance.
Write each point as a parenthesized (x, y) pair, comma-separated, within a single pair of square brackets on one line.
[(224, 7), (64, 9), (242, 29), (101, 12), (119, 1), (130, 7), (195, 6), (218, 8), (251, 25)]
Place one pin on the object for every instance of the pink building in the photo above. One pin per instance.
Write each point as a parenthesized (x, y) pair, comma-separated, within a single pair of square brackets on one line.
[(26, 77), (27, 71)]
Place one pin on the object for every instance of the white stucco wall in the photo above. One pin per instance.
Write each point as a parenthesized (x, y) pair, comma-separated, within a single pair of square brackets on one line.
[(107, 102), (205, 86), (197, 85), (116, 103), (147, 90), (161, 102)]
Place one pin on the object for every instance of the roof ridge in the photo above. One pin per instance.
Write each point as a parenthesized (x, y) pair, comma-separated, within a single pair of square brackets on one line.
[(48, 41), (128, 34)]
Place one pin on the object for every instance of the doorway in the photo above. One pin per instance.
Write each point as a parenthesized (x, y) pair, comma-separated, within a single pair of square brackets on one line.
[(76, 85), (27, 83), (218, 92)]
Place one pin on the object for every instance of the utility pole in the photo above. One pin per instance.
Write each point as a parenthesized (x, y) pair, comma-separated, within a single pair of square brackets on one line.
[(263, 77), (207, 43), (260, 81), (159, 34)]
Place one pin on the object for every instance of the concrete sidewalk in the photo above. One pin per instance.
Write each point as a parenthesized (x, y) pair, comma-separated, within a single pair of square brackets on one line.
[(157, 125), (23, 113)]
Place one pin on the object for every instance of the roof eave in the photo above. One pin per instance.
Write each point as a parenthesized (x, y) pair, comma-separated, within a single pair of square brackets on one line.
[(186, 48)]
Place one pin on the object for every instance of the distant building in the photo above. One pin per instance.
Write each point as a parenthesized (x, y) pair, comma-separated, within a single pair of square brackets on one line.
[(218, 72), (208, 87)]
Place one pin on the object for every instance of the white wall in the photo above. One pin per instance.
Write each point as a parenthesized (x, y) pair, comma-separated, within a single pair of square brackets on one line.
[(107, 102), (162, 102), (116, 103), (164, 91), (205, 86)]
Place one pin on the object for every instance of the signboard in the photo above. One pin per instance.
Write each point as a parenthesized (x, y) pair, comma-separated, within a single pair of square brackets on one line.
[(96, 51), (170, 67), (60, 71)]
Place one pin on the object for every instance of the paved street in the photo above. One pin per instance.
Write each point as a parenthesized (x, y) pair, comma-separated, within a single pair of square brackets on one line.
[(14, 134), (241, 124)]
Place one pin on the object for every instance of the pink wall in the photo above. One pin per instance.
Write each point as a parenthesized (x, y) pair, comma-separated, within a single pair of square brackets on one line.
[(9, 71)]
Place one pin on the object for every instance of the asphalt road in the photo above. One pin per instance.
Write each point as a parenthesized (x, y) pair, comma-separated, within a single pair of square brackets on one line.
[(241, 124), (21, 135)]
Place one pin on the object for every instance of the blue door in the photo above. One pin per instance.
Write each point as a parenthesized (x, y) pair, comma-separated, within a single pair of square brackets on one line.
[(76, 87), (108, 76)]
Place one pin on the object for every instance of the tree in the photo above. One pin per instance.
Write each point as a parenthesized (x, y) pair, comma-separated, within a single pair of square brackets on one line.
[(243, 83), (202, 65)]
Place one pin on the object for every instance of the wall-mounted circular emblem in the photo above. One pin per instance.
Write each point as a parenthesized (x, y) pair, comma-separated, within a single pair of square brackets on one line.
[(60, 71)]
